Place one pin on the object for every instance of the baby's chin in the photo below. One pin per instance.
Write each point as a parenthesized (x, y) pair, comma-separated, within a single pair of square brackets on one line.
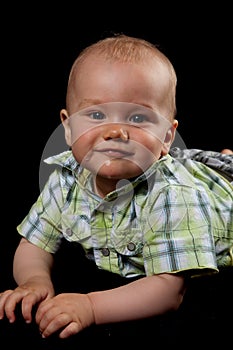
[(118, 170)]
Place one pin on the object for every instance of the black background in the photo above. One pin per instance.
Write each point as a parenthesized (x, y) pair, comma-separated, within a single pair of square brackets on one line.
[(38, 46), (39, 42)]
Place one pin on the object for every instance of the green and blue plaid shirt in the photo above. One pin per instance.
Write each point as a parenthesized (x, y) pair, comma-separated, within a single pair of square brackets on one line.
[(176, 217)]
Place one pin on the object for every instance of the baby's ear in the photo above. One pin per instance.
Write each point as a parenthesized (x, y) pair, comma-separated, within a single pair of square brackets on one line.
[(66, 123), (169, 138)]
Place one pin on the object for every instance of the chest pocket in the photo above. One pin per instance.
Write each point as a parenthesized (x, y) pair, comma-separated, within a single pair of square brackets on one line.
[(127, 242), (76, 228)]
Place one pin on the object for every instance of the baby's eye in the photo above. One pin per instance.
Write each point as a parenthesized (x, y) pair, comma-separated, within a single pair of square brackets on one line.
[(138, 118), (97, 115)]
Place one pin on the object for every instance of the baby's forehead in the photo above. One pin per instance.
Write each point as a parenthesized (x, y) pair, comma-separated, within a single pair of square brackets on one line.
[(120, 81), (155, 61)]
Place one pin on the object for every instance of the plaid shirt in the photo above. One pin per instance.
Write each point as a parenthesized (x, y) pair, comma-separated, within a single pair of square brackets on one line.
[(176, 217)]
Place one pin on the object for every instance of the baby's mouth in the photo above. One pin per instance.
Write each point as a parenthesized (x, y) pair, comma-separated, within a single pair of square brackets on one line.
[(114, 153)]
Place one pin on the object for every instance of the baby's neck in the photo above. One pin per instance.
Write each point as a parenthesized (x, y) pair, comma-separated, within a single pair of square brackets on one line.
[(103, 186)]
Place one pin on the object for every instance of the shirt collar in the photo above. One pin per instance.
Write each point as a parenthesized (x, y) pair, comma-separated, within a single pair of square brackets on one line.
[(84, 178)]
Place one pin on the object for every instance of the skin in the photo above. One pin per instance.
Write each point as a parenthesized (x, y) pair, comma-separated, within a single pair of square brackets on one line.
[(125, 82), (69, 313), (227, 151)]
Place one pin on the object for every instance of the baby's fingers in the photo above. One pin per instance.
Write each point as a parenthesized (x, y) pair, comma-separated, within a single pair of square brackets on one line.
[(69, 330), (8, 302), (51, 319), (28, 302), (60, 324)]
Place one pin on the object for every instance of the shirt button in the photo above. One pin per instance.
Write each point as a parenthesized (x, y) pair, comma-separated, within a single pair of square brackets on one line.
[(105, 252), (131, 246), (69, 232)]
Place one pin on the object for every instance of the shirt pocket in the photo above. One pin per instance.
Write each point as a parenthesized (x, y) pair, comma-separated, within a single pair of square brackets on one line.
[(127, 242), (76, 228)]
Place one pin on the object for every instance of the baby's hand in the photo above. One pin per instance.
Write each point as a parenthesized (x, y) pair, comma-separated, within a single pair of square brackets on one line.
[(227, 151), (29, 295), (68, 312)]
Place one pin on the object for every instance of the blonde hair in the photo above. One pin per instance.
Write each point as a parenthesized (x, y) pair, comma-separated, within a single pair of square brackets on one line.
[(126, 49)]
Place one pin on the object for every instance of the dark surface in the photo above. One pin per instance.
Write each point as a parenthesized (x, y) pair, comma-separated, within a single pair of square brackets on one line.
[(203, 318)]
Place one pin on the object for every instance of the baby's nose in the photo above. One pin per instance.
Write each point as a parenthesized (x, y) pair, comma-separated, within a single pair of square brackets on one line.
[(116, 133)]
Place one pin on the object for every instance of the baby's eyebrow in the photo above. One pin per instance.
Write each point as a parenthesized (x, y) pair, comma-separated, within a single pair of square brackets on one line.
[(89, 102)]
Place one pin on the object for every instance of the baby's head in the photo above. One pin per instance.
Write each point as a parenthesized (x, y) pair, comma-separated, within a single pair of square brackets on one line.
[(124, 50), (120, 89)]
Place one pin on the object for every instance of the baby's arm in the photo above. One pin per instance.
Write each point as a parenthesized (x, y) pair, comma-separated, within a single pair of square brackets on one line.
[(149, 296), (69, 313), (31, 268)]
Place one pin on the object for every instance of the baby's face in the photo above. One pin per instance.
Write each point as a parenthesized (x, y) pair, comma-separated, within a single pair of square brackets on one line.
[(121, 119)]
